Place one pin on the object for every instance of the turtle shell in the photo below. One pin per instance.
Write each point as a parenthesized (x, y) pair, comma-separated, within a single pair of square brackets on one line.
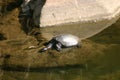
[(67, 40)]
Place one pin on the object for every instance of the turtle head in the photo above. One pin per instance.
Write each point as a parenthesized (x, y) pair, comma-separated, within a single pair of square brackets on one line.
[(47, 47), (43, 49)]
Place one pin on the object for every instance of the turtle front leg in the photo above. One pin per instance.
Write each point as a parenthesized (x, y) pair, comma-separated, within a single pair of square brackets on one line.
[(47, 47), (58, 46)]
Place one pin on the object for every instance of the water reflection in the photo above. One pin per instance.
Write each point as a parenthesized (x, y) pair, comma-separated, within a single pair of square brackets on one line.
[(70, 74), (106, 67)]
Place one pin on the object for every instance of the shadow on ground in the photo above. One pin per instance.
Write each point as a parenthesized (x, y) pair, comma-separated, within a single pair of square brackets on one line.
[(26, 18)]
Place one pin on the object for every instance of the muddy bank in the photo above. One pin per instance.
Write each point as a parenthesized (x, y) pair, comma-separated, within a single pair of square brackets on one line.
[(16, 54)]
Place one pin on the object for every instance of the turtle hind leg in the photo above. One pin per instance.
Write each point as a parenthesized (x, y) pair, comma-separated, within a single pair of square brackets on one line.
[(58, 46), (78, 45)]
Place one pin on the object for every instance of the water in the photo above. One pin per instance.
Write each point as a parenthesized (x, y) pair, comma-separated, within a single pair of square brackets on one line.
[(106, 67)]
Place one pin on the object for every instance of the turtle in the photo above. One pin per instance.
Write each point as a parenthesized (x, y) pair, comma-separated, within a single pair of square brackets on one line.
[(62, 41)]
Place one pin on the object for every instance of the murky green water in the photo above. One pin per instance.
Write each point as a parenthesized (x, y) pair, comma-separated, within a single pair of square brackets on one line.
[(106, 67)]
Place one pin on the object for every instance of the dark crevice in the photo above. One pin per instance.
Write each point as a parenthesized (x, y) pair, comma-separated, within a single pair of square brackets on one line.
[(7, 6), (2, 37)]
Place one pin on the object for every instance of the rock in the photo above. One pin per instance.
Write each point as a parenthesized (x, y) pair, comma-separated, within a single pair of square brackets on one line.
[(83, 18)]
